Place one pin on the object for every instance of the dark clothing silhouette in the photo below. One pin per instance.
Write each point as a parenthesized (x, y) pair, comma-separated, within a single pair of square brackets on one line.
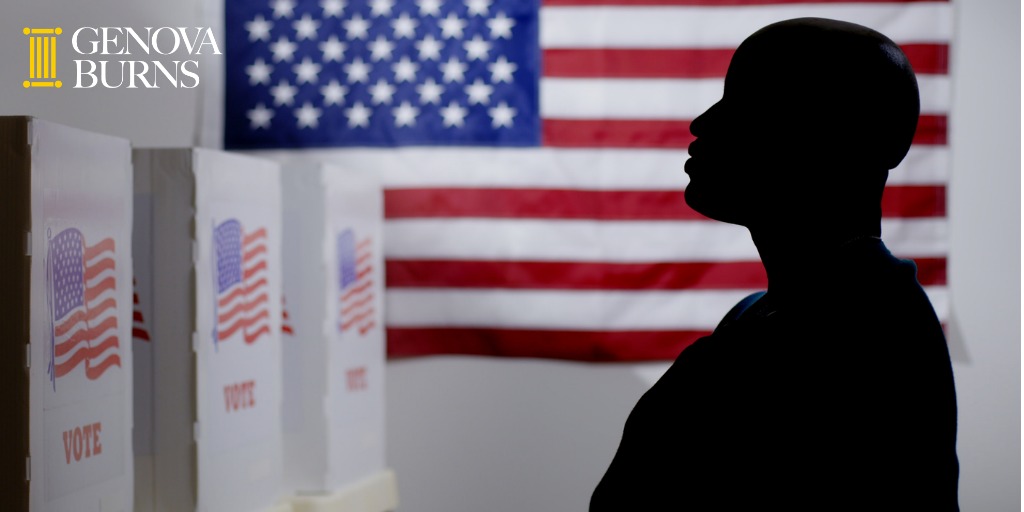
[(802, 404)]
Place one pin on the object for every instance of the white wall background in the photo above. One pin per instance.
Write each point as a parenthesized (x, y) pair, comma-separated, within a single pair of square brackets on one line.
[(473, 434)]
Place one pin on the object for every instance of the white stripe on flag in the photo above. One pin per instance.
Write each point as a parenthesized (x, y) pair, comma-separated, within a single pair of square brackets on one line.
[(685, 99), (582, 169), (573, 310), (615, 241), (727, 27)]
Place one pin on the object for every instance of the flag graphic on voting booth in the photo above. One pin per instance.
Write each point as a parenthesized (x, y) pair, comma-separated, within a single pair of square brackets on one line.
[(242, 304), (355, 271), (83, 302), (334, 364), (214, 262), (67, 220)]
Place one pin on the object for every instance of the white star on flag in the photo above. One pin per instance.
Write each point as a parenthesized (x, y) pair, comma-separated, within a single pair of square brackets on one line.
[(306, 72), (357, 71), (259, 28), (381, 49), (405, 70), (333, 49), (453, 70), (334, 93), (501, 70), (305, 27), (332, 8), (501, 115), (382, 92), (283, 8), (404, 26), (453, 115), (430, 92), (283, 49), (307, 116), (260, 117), (501, 26), (259, 72), (479, 92), (358, 115), (381, 7), (429, 48), (452, 26), (477, 48), (405, 114), (478, 7), (356, 27), (429, 7), (283, 93)]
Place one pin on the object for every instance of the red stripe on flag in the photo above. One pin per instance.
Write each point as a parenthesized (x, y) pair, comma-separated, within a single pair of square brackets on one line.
[(95, 269), (631, 133), (251, 337), (251, 271), (95, 372), (718, 3), (85, 335), (599, 276), (259, 249), (931, 271), (899, 201), (930, 59), (81, 315), (242, 324), (931, 130), (575, 345), (914, 201), (245, 306), (252, 237), (574, 275), (140, 334), (589, 133), (107, 244), (86, 354), (360, 288), (94, 291)]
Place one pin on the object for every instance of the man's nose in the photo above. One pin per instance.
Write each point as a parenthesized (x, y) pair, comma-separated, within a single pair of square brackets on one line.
[(702, 123)]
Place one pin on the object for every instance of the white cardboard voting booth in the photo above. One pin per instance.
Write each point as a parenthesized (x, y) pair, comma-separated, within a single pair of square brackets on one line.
[(67, 362), (216, 324), (334, 354)]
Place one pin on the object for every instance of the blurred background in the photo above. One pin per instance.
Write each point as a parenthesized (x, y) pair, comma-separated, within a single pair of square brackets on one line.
[(474, 433)]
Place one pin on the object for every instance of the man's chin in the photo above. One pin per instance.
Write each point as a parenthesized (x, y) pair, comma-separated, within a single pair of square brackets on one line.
[(712, 207)]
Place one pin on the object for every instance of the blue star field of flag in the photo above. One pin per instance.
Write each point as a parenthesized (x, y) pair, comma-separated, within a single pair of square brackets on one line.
[(319, 73)]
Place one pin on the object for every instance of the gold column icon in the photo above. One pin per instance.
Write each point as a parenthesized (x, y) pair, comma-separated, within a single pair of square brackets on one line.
[(42, 57)]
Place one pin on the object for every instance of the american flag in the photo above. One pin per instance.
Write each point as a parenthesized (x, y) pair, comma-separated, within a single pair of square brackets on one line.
[(140, 331), (242, 302), (355, 283), (532, 156), (82, 296)]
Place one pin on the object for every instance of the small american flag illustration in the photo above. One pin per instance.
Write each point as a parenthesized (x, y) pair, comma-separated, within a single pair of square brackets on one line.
[(355, 274), (242, 302), (82, 296), (139, 330)]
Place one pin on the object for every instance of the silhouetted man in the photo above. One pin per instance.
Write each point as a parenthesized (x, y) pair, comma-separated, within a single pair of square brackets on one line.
[(834, 390)]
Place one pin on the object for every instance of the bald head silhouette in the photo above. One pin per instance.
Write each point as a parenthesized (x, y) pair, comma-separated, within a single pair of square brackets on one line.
[(833, 390), (813, 115)]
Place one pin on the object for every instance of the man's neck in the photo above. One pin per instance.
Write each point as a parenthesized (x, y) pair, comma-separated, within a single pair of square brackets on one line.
[(801, 258)]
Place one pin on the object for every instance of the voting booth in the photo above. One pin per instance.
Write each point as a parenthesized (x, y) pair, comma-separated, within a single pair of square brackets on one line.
[(66, 321), (334, 345), (215, 278)]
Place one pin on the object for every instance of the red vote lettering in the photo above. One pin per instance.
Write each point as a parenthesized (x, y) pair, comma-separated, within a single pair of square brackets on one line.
[(356, 378), (240, 395), (82, 442)]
